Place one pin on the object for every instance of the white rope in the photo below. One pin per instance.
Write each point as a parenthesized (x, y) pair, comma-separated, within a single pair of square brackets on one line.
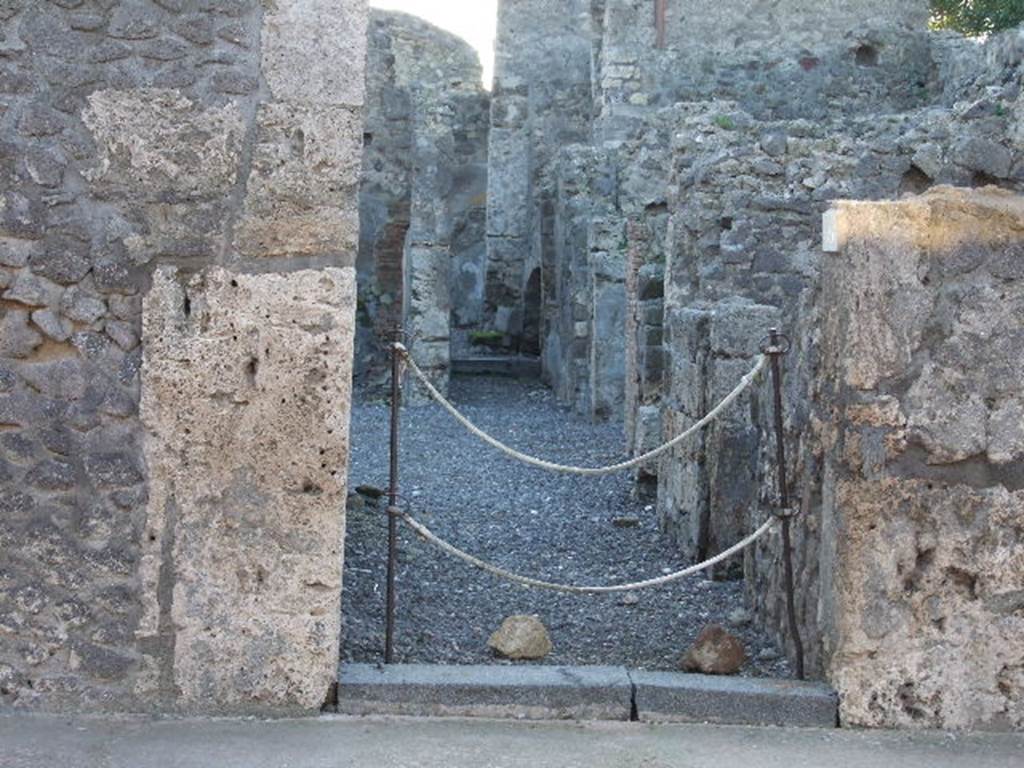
[(494, 570), (729, 399)]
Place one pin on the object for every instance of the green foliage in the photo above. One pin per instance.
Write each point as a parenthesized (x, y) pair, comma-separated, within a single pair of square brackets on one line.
[(725, 123), (486, 338), (977, 17)]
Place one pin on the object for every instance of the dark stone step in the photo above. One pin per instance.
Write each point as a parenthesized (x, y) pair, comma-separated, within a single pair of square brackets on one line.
[(516, 367)]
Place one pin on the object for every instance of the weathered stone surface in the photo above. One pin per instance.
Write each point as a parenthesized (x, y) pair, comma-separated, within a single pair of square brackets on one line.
[(676, 697), (52, 324), (18, 339), (715, 652), (132, 127), (305, 166), (252, 385), (922, 530), (520, 691), (158, 143), (33, 291), (331, 33), (521, 638), (422, 196)]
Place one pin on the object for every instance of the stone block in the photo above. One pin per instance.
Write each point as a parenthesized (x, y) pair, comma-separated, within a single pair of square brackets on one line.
[(674, 697), (526, 692), (921, 522), (159, 145), (331, 36), (247, 376), (305, 175)]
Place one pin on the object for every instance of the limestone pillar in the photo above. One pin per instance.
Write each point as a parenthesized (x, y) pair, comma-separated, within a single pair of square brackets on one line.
[(923, 499)]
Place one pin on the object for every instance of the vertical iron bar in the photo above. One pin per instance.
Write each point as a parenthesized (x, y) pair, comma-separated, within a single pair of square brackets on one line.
[(396, 397), (787, 542), (660, 21)]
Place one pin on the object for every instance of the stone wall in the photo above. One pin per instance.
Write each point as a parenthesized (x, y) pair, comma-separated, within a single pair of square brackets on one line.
[(423, 195), (541, 102), (779, 59), (922, 435), (704, 219), (746, 206), (746, 223), (178, 227)]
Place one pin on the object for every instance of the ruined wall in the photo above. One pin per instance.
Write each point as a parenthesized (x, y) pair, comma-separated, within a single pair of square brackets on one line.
[(423, 194), (747, 197), (778, 59), (747, 200), (602, 307), (178, 228), (541, 102), (923, 439)]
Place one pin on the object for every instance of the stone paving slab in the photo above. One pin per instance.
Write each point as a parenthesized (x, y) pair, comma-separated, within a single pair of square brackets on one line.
[(28, 741), (677, 697), (524, 692)]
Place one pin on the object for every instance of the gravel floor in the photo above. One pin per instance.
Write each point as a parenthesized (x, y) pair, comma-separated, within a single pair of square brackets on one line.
[(555, 527)]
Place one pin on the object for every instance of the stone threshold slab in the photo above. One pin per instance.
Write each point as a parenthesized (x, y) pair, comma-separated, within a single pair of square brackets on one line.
[(678, 697), (581, 693), (522, 692)]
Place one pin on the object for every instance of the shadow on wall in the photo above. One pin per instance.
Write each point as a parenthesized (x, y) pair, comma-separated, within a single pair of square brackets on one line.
[(530, 343)]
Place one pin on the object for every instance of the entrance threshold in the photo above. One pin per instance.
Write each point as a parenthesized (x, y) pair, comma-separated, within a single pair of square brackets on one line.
[(581, 693)]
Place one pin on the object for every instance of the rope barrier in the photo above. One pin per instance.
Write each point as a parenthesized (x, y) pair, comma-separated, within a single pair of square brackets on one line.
[(729, 399), (494, 570)]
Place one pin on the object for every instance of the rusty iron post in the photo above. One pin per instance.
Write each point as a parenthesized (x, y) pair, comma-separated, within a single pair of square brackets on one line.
[(778, 346), (660, 22), (396, 403)]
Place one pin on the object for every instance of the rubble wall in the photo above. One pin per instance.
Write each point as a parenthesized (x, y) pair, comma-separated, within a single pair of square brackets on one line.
[(922, 522), (746, 206), (778, 59), (422, 197), (178, 227), (541, 102)]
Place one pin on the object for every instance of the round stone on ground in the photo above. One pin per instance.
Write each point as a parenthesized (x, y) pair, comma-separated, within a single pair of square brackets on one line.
[(521, 638), (715, 652), (739, 617)]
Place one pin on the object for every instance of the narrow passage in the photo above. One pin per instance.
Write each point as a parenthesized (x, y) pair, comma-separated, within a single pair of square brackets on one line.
[(561, 528)]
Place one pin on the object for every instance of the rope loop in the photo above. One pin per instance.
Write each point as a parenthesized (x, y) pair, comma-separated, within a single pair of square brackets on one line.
[(781, 346), (550, 466), (526, 581)]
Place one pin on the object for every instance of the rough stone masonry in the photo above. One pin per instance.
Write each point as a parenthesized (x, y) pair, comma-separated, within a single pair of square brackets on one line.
[(422, 201), (687, 220), (179, 232), (178, 229)]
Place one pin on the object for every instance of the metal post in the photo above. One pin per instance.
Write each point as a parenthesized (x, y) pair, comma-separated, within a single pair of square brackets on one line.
[(776, 350), (396, 402), (660, 12)]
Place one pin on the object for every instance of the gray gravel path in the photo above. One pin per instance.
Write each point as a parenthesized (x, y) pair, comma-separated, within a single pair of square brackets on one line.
[(552, 526)]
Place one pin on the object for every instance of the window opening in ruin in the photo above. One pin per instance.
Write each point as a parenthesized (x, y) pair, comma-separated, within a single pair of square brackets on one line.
[(866, 56)]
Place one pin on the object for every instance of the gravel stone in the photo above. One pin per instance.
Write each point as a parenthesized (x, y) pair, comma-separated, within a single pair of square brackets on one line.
[(554, 527)]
